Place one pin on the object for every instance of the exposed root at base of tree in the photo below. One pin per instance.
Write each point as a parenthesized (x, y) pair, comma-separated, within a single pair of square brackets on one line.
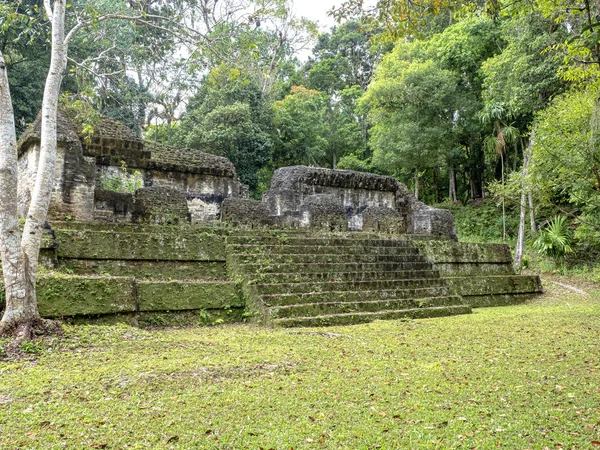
[(27, 331)]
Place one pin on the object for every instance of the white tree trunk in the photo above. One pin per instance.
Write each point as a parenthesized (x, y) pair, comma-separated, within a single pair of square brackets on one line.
[(40, 197), (16, 309), (523, 204), (417, 184), (532, 224), (20, 253), (452, 191)]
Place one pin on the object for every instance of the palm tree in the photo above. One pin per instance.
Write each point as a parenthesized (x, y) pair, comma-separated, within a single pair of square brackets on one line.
[(503, 134)]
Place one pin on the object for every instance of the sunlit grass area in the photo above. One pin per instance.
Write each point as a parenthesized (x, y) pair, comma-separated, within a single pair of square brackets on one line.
[(519, 377)]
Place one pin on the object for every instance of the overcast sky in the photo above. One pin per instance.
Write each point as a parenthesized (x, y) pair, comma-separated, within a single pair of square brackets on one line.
[(316, 10)]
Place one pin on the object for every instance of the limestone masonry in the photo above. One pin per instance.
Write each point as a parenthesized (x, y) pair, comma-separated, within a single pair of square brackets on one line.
[(185, 244)]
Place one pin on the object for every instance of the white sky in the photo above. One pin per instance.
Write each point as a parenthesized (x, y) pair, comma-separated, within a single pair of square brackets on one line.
[(317, 10)]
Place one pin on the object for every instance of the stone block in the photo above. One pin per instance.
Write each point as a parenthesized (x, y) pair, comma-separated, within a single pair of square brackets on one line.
[(384, 220), (432, 222), (177, 295), (245, 213), (161, 205), (324, 212)]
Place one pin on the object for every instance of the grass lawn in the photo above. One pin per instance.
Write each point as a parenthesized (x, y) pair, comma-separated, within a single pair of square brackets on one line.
[(519, 377)]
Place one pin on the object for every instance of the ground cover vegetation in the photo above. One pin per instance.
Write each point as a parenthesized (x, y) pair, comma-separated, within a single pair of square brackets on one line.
[(523, 376)]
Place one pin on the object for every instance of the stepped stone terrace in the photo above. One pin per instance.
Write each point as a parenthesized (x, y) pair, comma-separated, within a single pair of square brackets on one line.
[(323, 246)]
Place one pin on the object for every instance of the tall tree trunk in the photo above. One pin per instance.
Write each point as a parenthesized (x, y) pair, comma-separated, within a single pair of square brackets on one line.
[(17, 310), (532, 224), (417, 183), (503, 203), (23, 314), (452, 190), (436, 173), (523, 205), (516, 157)]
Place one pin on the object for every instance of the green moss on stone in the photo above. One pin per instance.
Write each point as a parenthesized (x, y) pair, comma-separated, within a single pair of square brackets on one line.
[(182, 246), (177, 295), (458, 252), (152, 270)]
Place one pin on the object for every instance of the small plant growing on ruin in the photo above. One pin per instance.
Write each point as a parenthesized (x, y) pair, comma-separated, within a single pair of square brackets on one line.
[(126, 181)]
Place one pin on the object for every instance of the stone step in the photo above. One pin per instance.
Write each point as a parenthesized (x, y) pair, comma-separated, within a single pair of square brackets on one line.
[(323, 249), (291, 277), (316, 241), (320, 308), (354, 296), (327, 258), (334, 268), (363, 317), (349, 286)]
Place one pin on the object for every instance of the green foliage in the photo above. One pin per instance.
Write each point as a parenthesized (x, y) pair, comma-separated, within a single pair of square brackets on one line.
[(352, 162), (524, 76), (555, 240), (566, 159), (301, 129), (481, 221), (122, 181), (229, 116)]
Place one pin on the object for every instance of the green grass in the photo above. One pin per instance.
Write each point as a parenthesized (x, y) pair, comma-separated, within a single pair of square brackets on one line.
[(521, 377)]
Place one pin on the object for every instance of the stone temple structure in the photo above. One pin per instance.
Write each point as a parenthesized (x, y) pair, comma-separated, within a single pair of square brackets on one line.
[(188, 245)]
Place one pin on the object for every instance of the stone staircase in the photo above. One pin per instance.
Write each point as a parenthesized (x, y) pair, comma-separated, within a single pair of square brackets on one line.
[(295, 279)]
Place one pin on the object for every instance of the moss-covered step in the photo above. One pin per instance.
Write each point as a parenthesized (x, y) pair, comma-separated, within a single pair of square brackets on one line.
[(330, 240), (489, 285), (322, 249), (165, 246), (211, 229), (179, 295), (363, 317), (298, 277), (459, 252), (69, 295), (328, 286), (321, 308), (469, 269), (339, 267), (354, 296), (157, 270), (258, 258)]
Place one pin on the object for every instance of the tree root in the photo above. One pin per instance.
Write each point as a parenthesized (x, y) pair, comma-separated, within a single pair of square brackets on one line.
[(29, 330)]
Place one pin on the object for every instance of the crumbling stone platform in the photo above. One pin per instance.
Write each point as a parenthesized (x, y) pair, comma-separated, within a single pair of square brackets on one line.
[(196, 274), (323, 247)]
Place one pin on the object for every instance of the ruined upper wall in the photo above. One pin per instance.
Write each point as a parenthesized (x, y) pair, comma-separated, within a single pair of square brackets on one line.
[(359, 193), (290, 178), (112, 142), (193, 184)]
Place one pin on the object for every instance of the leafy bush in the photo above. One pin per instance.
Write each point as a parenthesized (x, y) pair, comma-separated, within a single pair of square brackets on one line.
[(555, 240), (122, 182)]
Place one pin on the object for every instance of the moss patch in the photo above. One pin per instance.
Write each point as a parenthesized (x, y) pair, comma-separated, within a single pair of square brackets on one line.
[(182, 246), (64, 295), (176, 295), (152, 270)]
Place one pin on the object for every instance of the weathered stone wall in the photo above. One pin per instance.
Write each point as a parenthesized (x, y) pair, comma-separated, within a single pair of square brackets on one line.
[(245, 213), (113, 150), (355, 191), (481, 273), (150, 274)]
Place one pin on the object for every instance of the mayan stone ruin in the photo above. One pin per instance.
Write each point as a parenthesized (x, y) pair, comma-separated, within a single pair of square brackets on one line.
[(188, 245)]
